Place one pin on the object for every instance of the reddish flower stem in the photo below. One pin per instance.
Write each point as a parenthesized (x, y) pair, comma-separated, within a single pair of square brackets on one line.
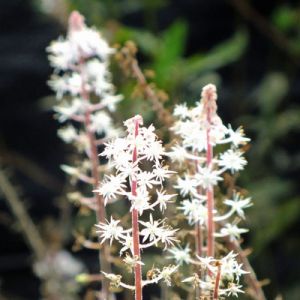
[(100, 210), (217, 283), (135, 227), (198, 229), (209, 192)]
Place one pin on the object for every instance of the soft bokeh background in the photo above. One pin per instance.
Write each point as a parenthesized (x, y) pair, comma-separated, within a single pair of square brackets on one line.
[(249, 49)]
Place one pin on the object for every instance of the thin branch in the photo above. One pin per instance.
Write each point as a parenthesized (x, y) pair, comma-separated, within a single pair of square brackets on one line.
[(250, 278), (29, 229), (130, 66)]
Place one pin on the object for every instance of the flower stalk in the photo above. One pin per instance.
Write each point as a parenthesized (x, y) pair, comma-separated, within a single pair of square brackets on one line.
[(81, 73), (209, 98), (137, 160), (135, 223)]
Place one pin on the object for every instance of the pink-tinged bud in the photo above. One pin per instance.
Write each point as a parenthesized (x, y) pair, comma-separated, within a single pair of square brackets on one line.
[(132, 122), (76, 21), (209, 92), (209, 97)]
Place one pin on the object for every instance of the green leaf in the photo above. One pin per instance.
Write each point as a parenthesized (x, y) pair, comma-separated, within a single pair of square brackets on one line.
[(223, 54), (285, 17), (170, 51), (145, 40)]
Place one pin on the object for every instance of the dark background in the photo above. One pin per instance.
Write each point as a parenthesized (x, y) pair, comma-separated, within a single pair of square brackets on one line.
[(259, 84)]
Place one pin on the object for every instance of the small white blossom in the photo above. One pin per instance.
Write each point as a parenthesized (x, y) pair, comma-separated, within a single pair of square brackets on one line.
[(180, 255), (186, 186), (232, 160), (163, 199), (238, 204), (68, 134), (237, 137), (194, 210), (232, 231), (233, 290), (177, 154), (166, 273), (181, 111), (110, 231), (207, 178), (112, 186)]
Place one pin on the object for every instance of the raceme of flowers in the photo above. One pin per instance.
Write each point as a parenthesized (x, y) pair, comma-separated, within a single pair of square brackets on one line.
[(82, 81), (139, 177), (201, 130), (86, 97), (84, 91)]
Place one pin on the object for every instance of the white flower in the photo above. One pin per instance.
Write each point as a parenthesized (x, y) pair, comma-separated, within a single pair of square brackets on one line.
[(152, 229), (140, 202), (131, 262), (66, 110), (61, 54), (238, 204), (74, 84), (110, 231), (167, 236), (188, 185), (146, 180), (194, 210), (112, 186), (59, 85), (207, 178), (163, 199), (166, 273), (232, 231), (127, 244), (88, 42), (68, 134), (237, 137), (232, 160), (180, 255), (177, 154), (110, 101), (181, 111), (161, 173), (233, 289), (114, 148), (208, 263), (101, 122)]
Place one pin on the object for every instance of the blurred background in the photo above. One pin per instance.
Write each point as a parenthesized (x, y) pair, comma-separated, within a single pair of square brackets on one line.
[(249, 49)]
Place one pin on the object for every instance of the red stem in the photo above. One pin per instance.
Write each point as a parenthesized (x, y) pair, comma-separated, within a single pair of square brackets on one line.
[(135, 228), (209, 193), (100, 211), (198, 229), (217, 283)]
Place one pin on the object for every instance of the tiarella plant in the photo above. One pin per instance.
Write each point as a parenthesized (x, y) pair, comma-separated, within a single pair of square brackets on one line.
[(202, 136), (85, 95), (206, 151), (137, 161)]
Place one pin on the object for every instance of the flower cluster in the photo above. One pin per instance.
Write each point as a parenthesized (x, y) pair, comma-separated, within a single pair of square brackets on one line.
[(82, 83), (201, 130), (222, 276), (86, 98), (137, 161), (81, 72), (192, 128)]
